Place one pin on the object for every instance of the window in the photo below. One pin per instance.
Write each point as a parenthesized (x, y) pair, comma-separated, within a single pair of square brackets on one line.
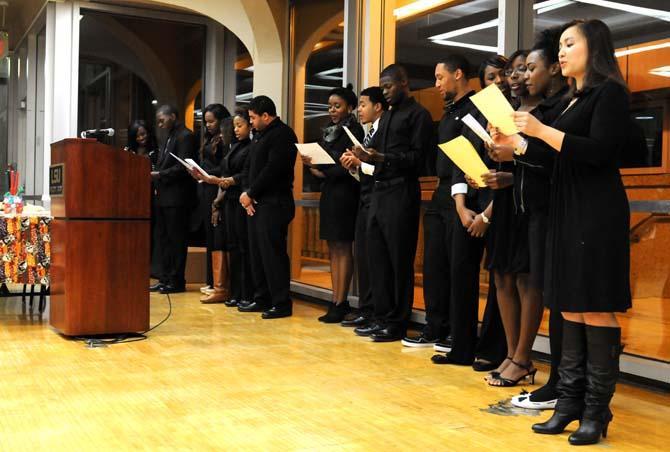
[(641, 33)]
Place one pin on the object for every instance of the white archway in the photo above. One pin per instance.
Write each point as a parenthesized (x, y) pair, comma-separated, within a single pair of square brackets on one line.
[(253, 22)]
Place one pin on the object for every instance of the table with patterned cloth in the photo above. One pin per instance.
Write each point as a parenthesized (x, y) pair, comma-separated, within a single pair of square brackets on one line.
[(25, 247)]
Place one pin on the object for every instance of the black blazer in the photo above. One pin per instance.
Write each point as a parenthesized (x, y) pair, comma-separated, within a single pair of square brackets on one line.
[(234, 165), (175, 187), (270, 164)]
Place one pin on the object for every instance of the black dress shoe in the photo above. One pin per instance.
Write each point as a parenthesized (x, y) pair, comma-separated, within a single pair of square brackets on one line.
[(366, 331), (231, 303), (447, 359), (484, 365), (155, 287), (361, 320), (277, 312), (254, 306), (387, 335), (166, 289), (244, 303)]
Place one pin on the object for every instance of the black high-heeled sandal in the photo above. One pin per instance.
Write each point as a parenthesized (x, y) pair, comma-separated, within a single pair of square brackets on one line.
[(508, 382), (495, 373)]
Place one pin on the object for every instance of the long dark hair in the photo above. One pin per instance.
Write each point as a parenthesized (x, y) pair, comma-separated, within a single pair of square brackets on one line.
[(133, 129), (601, 64), (496, 61), (220, 113)]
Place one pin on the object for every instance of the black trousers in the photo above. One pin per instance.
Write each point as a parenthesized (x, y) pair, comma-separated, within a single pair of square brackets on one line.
[(365, 303), (438, 228), (393, 227), (492, 345), (172, 225), (270, 263), (467, 252), (237, 244)]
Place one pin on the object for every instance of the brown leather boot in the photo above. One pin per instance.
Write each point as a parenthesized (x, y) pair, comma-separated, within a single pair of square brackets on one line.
[(221, 279)]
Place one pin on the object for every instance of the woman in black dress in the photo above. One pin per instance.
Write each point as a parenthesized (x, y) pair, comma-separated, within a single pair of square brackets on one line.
[(228, 216), (520, 303), (211, 153), (142, 141), (339, 199), (588, 250), (534, 170)]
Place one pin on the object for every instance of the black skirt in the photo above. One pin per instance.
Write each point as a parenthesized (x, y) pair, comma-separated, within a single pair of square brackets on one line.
[(338, 208)]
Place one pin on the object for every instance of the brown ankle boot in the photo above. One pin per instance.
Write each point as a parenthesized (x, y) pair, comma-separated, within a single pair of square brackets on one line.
[(220, 275)]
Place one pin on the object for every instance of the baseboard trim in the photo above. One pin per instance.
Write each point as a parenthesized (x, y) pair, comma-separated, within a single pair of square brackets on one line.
[(636, 369)]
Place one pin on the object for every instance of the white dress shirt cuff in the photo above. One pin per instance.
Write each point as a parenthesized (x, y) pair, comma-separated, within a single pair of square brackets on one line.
[(459, 189), (368, 169)]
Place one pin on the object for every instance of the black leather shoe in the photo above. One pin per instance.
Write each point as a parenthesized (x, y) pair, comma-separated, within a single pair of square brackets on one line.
[(166, 289), (446, 359), (155, 287), (231, 303), (254, 306), (484, 365), (361, 320), (366, 331), (243, 303), (386, 335), (277, 313)]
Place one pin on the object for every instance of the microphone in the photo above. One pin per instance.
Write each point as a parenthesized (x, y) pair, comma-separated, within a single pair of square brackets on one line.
[(98, 133)]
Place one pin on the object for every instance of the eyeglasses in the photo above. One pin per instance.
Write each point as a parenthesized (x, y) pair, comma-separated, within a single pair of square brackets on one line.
[(519, 70)]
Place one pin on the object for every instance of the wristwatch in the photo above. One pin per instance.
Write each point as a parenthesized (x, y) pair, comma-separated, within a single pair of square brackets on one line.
[(485, 219), (521, 149)]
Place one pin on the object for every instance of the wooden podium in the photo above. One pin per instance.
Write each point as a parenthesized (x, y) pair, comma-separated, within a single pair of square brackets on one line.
[(100, 239)]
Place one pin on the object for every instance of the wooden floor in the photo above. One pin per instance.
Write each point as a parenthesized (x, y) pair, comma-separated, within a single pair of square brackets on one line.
[(211, 378), (645, 328)]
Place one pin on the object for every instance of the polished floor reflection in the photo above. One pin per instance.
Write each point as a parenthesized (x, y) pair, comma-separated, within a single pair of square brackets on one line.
[(211, 378), (645, 328)]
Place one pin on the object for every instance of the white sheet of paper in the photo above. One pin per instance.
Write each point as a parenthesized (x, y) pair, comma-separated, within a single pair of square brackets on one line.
[(496, 108), (318, 154), (477, 128), (188, 167), (354, 140), (197, 167)]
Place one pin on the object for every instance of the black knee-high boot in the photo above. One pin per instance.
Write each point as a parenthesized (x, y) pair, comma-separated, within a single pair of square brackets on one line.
[(603, 346), (572, 384)]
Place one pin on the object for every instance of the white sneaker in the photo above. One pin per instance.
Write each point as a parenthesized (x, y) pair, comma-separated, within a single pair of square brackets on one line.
[(523, 401), (443, 346), (206, 290)]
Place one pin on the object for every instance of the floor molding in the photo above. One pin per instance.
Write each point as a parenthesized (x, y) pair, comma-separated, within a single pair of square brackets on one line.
[(646, 370)]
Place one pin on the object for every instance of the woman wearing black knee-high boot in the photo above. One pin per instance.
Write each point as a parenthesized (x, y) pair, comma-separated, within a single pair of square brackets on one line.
[(588, 252)]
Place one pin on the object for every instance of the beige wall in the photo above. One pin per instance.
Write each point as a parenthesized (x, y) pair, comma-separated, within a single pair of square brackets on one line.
[(259, 25)]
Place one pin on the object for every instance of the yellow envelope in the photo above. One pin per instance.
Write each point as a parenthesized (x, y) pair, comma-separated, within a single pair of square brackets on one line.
[(464, 155), (496, 108)]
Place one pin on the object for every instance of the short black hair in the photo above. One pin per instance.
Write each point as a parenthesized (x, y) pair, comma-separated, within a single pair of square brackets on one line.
[(263, 104), (454, 62), (397, 73), (345, 93), (496, 61), (167, 110), (376, 95), (547, 44)]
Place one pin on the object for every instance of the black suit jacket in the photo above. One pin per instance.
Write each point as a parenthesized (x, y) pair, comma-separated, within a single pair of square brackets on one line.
[(175, 187), (271, 161)]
